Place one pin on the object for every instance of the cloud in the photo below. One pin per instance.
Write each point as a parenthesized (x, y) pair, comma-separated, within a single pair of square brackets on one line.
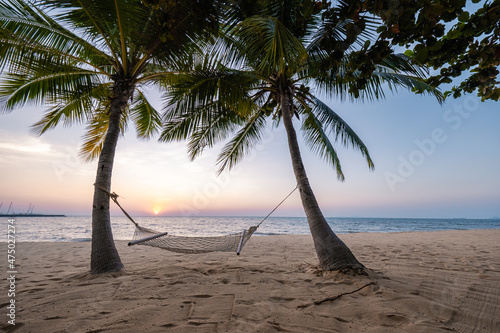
[(34, 147), (22, 144), (16, 149)]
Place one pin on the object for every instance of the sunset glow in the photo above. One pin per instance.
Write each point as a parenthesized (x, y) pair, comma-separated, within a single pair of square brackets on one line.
[(156, 210), (415, 175)]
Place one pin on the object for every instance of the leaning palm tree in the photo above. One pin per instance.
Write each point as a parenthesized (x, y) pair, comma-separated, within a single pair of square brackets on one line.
[(265, 69), (90, 61)]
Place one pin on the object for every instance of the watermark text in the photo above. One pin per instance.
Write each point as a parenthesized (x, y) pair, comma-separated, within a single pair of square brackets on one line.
[(11, 271)]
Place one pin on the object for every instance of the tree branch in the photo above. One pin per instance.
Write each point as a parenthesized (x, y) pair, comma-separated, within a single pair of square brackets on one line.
[(328, 299)]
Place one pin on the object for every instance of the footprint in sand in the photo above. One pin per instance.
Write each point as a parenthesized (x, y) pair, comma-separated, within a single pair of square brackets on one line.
[(393, 319)]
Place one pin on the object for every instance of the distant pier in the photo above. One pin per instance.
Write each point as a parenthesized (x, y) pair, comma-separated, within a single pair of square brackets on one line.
[(32, 215), (29, 213)]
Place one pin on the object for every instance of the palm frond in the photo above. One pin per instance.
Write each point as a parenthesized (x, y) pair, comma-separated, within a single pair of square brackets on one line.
[(95, 134), (396, 80), (54, 87), (396, 71), (95, 20), (213, 131), (318, 141), (329, 31), (181, 119), (270, 46), (229, 50), (245, 139), (341, 130), (146, 118), (180, 127), (93, 139), (76, 111), (213, 83), (29, 36), (401, 63), (204, 126)]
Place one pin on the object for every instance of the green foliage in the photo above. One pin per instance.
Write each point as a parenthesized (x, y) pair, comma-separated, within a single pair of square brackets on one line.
[(276, 62), (270, 46), (79, 58), (462, 44)]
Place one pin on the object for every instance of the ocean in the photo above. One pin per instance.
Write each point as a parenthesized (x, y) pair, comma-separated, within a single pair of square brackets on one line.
[(78, 228)]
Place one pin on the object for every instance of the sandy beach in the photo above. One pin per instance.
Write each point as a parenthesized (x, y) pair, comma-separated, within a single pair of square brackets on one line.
[(438, 281)]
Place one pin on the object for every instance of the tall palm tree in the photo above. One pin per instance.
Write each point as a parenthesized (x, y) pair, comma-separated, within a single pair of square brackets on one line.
[(90, 61), (272, 67)]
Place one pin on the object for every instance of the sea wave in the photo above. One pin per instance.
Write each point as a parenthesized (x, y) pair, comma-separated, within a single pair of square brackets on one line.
[(78, 228)]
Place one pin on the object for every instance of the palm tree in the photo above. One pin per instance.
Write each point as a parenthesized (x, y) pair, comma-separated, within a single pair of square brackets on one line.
[(273, 68), (90, 61)]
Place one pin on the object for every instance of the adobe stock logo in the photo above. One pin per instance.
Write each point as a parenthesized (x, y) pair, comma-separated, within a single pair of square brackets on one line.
[(426, 147), (66, 163)]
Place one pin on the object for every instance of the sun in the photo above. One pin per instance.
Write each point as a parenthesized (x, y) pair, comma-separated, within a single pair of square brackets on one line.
[(156, 210)]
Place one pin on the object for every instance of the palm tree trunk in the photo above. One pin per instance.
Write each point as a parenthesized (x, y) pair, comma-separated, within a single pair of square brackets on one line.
[(332, 253), (104, 256)]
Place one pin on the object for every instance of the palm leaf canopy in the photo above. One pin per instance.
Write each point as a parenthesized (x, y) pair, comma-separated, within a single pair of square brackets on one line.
[(265, 62), (69, 55)]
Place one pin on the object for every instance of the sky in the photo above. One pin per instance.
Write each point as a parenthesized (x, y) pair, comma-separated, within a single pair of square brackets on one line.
[(431, 161)]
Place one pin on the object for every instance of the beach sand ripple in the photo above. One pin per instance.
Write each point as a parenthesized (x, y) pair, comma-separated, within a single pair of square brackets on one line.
[(438, 281)]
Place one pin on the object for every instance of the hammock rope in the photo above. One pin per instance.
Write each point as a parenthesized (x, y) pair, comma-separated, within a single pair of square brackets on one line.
[(182, 244)]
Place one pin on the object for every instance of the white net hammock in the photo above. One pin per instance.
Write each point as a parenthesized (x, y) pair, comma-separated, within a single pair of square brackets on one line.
[(182, 244)]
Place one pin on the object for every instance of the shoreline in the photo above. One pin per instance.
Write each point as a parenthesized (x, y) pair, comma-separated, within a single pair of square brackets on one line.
[(88, 240), (418, 281), (71, 229)]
